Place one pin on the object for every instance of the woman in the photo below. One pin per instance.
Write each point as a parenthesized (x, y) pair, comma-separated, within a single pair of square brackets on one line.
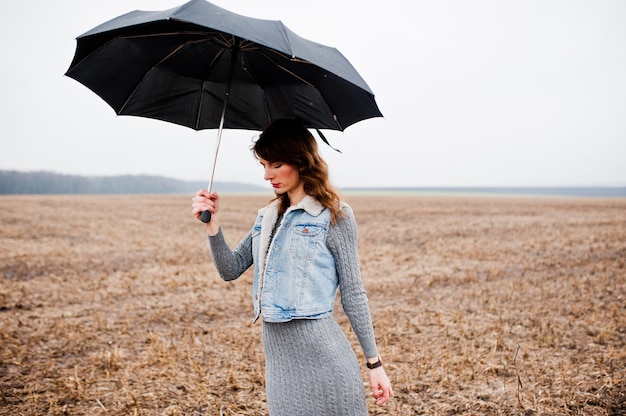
[(303, 247)]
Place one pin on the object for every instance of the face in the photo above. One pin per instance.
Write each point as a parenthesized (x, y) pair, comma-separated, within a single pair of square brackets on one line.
[(283, 177)]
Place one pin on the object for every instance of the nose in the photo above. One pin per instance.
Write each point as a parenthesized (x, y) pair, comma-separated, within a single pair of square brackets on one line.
[(268, 174)]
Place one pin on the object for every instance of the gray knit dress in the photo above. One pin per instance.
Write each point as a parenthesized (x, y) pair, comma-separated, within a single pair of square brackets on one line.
[(311, 368)]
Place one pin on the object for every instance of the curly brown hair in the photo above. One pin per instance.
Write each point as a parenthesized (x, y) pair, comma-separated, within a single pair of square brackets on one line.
[(289, 141)]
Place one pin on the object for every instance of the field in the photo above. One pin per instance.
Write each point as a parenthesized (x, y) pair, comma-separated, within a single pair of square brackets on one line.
[(110, 305)]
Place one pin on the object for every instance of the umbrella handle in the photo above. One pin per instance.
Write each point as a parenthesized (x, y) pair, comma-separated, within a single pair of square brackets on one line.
[(205, 217)]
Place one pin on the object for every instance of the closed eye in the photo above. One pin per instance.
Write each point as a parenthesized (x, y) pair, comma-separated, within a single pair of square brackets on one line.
[(272, 165)]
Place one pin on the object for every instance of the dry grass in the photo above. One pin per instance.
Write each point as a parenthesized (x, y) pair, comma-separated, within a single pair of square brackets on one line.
[(482, 306)]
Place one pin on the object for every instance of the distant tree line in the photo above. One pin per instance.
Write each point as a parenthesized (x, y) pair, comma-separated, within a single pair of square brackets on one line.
[(15, 182)]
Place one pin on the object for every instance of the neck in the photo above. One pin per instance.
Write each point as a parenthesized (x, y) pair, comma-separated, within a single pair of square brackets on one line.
[(296, 196)]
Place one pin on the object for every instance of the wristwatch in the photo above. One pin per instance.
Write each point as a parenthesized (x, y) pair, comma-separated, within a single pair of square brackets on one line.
[(373, 365)]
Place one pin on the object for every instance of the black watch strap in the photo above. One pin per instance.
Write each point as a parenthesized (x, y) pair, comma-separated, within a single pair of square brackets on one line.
[(376, 364)]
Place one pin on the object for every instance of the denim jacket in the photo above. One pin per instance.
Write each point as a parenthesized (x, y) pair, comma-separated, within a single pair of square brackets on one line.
[(294, 273)]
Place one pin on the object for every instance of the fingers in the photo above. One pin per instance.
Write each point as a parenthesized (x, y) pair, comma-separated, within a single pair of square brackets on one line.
[(383, 395), (381, 386), (207, 194), (203, 193), (204, 201)]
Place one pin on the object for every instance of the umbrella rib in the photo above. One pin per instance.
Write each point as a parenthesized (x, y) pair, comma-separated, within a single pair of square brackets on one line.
[(144, 77), (300, 78), (219, 37), (224, 41), (245, 69), (296, 76), (177, 32), (174, 51), (266, 56)]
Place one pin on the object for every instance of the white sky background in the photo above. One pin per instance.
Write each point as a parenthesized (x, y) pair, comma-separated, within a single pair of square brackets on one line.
[(474, 93)]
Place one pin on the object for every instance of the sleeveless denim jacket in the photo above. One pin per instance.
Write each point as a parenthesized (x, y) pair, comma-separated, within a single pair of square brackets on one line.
[(294, 274)]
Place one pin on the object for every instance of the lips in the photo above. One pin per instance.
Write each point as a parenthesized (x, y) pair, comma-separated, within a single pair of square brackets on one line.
[(275, 185)]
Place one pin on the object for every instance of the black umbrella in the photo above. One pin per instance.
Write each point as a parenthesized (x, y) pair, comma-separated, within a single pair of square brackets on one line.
[(204, 67)]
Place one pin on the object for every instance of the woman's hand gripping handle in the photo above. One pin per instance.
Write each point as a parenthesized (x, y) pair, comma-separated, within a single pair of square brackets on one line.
[(204, 206)]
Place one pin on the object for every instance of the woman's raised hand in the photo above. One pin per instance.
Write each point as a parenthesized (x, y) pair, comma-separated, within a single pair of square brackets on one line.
[(206, 201)]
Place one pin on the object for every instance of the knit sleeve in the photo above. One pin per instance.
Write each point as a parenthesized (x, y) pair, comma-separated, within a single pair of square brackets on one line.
[(342, 243), (231, 264)]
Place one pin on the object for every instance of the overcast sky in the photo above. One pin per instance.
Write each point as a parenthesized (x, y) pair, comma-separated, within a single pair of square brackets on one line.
[(474, 93)]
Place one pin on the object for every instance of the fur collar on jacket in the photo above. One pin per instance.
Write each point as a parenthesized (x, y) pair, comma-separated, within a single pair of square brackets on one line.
[(270, 216)]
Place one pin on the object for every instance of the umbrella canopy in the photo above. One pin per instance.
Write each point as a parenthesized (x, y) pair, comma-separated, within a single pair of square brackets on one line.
[(195, 63)]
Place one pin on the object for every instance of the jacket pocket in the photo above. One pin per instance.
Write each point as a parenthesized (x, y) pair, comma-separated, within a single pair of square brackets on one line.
[(304, 239)]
